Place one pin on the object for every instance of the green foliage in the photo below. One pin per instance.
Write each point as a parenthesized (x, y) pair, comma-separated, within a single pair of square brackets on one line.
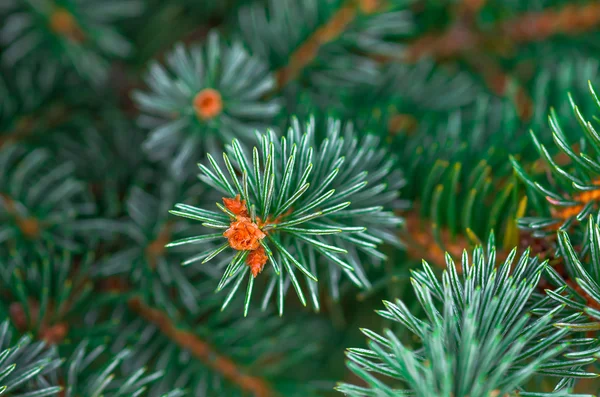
[(463, 182), (46, 290), (213, 358), (102, 157), (94, 304), (582, 266), (21, 362), (41, 201), (104, 379), (478, 335), (54, 35), (567, 196), (321, 203), (47, 300), (150, 269), (347, 36), (178, 132), (462, 179), (261, 25)]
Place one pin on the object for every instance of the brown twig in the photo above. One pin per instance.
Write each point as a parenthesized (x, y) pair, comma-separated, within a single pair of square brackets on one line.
[(328, 32), (499, 83), (582, 199), (421, 243), (529, 27), (51, 116), (157, 248), (470, 7), (202, 350), (29, 226)]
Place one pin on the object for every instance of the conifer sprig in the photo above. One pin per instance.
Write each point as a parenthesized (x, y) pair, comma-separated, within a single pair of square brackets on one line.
[(22, 362), (44, 300), (203, 96), (301, 205), (571, 193), (580, 289), (151, 269), (76, 35), (478, 338), (41, 202)]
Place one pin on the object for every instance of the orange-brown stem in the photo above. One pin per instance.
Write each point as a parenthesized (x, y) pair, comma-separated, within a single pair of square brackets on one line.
[(471, 6), (499, 82), (402, 122), (49, 333), (63, 23), (529, 27), (22, 129), (328, 32), (582, 198), (156, 248), (421, 243), (30, 227), (51, 116), (202, 350)]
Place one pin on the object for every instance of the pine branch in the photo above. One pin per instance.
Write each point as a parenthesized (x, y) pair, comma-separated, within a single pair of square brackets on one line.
[(328, 32), (578, 289), (569, 192), (487, 324), (205, 95), (23, 363), (152, 270), (315, 51), (73, 36), (461, 184), (311, 199), (40, 201), (202, 350)]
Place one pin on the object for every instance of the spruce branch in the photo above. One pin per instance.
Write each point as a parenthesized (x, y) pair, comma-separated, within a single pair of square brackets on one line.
[(570, 193), (329, 35), (70, 34), (22, 362), (41, 203), (579, 287), (44, 294), (301, 203), (44, 301), (329, 31), (480, 336), (201, 350), (152, 271), (204, 96), (216, 353), (462, 186)]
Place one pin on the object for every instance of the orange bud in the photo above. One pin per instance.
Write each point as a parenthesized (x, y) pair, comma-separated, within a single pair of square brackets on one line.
[(256, 260)]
